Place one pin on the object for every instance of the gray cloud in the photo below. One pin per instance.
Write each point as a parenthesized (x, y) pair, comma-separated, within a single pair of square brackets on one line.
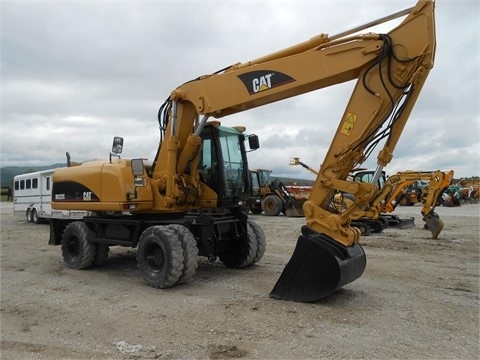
[(75, 74)]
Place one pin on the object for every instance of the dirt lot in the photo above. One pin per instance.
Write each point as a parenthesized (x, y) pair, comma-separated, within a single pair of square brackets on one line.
[(418, 298)]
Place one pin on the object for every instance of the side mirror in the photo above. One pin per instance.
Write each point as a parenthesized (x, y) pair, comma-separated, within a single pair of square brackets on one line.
[(253, 142), (117, 146)]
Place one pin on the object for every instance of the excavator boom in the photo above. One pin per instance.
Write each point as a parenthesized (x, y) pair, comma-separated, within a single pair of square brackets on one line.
[(390, 70)]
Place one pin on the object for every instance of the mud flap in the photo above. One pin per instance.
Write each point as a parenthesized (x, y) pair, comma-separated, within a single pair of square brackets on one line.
[(318, 267), (434, 224)]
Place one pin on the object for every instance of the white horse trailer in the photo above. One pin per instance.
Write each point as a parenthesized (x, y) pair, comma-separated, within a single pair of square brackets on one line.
[(32, 196)]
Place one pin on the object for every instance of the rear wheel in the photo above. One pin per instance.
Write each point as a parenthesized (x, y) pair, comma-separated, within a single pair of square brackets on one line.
[(239, 252), (77, 251), (364, 229), (28, 215), (160, 256), (35, 218), (272, 205), (101, 254)]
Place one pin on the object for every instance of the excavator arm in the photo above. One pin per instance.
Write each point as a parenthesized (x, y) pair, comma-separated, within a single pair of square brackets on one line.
[(390, 70)]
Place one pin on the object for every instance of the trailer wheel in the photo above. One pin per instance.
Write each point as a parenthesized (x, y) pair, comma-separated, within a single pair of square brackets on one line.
[(101, 254), (272, 205), (190, 252), (240, 253), (259, 235), (78, 253), (160, 256), (35, 218), (28, 215)]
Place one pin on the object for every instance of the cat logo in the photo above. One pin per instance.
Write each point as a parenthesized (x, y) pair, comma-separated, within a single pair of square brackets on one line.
[(262, 80), (87, 196)]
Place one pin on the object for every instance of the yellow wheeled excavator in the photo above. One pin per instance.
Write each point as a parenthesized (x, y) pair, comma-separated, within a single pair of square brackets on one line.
[(180, 208)]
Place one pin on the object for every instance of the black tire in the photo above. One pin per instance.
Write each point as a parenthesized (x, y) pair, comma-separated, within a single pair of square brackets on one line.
[(190, 252), (377, 226), (77, 252), (364, 229), (260, 240), (28, 215), (101, 254), (160, 256), (35, 218), (239, 253), (272, 205)]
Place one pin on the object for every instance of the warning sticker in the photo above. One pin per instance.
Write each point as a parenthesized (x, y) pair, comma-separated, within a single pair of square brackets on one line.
[(348, 124)]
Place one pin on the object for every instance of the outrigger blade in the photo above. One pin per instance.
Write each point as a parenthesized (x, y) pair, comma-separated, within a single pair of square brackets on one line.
[(318, 267), (434, 224)]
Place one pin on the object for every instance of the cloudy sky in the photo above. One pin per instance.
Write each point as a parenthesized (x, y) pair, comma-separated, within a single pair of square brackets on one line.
[(76, 73)]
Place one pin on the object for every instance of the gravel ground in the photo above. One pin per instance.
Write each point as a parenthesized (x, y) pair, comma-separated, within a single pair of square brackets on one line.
[(417, 299)]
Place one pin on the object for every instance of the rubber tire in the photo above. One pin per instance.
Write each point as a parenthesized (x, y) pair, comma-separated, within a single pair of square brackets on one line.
[(364, 229), (35, 218), (240, 253), (28, 215), (160, 256), (101, 254), (190, 252), (272, 205), (77, 252), (377, 226), (260, 239)]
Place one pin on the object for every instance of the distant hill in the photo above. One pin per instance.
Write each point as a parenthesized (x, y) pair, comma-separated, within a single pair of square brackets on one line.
[(293, 181), (7, 173)]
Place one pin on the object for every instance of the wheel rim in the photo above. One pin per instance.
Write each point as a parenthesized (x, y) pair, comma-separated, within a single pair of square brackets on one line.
[(155, 257)]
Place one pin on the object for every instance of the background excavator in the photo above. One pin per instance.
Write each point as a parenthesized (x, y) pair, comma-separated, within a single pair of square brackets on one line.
[(180, 205), (377, 216)]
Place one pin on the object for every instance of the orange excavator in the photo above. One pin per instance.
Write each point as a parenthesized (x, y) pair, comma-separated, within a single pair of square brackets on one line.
[(188, 203)]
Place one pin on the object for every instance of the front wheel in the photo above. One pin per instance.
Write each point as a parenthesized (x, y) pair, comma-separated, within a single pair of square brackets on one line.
[(160, 256), (77, 251), (272, 205)]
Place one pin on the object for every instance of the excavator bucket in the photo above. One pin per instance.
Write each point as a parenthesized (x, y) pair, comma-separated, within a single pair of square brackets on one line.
[(294, 208), (434, 224), (318, 267)]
